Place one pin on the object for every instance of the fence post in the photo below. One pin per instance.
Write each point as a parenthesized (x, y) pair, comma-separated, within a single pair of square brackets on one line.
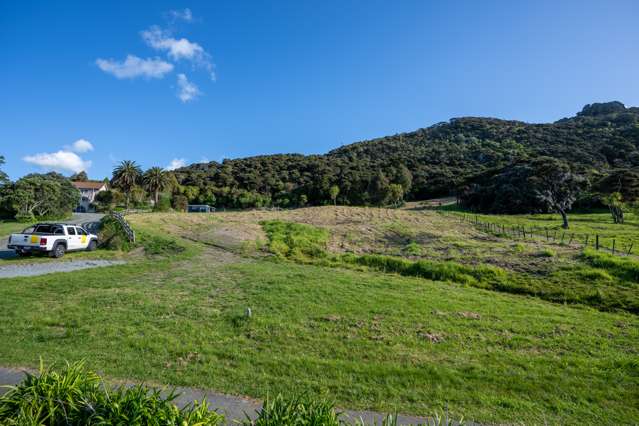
[(613, 246), (586, 243), (597, 242), (547, 236), (630, 249)]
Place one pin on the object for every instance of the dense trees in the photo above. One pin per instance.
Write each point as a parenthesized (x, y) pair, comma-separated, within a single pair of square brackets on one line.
[(79, 177), (42, 195), (619, 191), (485, 161), (491, 165)]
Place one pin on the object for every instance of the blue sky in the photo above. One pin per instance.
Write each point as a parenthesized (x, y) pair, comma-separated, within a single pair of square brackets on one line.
[(211, 80)]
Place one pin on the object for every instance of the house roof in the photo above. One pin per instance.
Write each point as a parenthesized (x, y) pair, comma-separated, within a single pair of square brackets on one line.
[(88, 185)]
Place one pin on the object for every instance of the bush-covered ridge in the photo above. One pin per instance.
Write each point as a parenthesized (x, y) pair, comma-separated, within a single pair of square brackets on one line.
[(428, 162)]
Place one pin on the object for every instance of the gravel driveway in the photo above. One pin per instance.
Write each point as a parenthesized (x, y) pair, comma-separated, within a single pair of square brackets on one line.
[(33, 269)]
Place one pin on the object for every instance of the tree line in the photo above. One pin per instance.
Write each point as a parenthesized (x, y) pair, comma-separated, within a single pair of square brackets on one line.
[(490, 165)]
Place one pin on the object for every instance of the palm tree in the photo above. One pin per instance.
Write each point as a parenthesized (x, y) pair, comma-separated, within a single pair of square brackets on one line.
[(126, 176), (156, 179)]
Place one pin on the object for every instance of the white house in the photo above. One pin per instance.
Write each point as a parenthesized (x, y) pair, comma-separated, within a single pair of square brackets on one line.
[(88, 191)]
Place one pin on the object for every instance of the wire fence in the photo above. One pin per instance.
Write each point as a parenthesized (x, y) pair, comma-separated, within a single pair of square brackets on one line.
[(613, 245)]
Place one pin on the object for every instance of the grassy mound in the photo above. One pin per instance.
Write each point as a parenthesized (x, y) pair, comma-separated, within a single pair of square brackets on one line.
[(438, 271), (295, 240), (600, 280), (623, 267)]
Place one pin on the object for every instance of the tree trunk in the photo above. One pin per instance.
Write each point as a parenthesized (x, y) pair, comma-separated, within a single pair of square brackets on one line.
[(617, 214), (157, 197), (564, 217)]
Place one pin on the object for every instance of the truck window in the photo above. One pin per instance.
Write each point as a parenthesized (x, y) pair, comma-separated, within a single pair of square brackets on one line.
[(70, 230), (43, 229), (81, 231), (58, 230), (29, 230)]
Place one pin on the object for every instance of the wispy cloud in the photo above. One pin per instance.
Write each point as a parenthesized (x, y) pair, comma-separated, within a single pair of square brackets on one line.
[(133, 67), (80, 146), (187, 91), (59, 161), (178, 49), (176, 163), (181, 15)]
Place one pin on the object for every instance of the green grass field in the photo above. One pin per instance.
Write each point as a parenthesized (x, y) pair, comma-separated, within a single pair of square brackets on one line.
[(366, 338), (10, 227), (581, 225)]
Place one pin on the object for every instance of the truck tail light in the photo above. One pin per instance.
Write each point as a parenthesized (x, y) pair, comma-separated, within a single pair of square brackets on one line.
[(43, 241)]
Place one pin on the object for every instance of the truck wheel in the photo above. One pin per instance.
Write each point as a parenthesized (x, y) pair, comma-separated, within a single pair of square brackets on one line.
[(23, 253), (58, 251), (93, 245)]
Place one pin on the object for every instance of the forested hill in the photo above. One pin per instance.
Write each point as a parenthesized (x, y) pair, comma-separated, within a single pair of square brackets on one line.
[(428, 162)]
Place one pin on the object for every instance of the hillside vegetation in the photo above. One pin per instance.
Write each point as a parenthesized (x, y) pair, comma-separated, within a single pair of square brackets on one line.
[(442, 159)]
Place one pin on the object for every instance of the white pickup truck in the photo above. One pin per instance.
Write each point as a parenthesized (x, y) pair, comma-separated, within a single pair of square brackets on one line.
[(53, 238)]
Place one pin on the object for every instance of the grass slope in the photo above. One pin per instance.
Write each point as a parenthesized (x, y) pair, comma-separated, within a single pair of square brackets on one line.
[(369, 340), (581, 224)]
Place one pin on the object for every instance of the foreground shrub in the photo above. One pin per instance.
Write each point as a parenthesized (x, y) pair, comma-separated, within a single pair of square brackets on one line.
[(112, 236), (297, 411), (75, 396), (305, 411)]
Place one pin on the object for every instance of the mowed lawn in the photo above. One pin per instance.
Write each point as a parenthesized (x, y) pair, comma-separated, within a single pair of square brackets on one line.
[(368, 340)]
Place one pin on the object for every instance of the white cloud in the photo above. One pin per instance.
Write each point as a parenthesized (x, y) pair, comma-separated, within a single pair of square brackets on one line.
[(178, 49), (80, 146), (187, 90), (176, 163), (181, 15), (61, 160), (134, 67)]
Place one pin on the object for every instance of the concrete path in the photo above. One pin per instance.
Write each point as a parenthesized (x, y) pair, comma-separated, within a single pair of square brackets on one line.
[(234, 408)]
